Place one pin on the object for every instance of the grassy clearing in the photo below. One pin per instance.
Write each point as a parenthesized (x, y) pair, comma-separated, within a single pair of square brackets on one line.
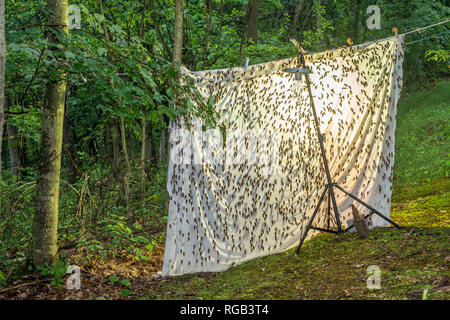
[(328, 267), (422, 141), (335, 267)]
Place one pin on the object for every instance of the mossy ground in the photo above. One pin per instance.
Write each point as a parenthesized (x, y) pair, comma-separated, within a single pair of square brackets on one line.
[(335, 267), (328, 267)]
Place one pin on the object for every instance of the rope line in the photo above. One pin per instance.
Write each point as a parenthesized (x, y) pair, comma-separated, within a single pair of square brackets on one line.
[(432, 36), (426, 27), (415, 30)]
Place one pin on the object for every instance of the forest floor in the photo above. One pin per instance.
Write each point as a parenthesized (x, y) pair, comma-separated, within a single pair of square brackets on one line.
[(413, 261)]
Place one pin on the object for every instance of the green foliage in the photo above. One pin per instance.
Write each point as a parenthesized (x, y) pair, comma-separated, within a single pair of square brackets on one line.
[(437, 55), (124, 282), (56, 270), (125, 293)]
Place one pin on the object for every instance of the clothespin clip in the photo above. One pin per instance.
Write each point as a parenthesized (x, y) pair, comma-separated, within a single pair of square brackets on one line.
[(246, 63), (395, 29)]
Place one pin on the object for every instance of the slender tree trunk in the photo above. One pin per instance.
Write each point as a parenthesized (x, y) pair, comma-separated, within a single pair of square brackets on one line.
[(69, 142), (142, 22), (207, 11), (116, 168), (178, 32), (157, 28), (143, 153), (163, 147), (253, 14), (45, 224), (127, 175), (116, 165), (177, 59), (298, 10), (278, 21), (13, 148), (2, 78), (356, 11), (148, 148), (23, 157), (244, 34), (143, 121)]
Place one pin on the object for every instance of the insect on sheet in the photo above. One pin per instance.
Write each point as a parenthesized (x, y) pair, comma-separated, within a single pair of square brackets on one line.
[(247, 188)]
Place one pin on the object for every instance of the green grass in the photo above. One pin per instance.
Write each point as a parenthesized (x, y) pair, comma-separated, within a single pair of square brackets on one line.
[(328, 267), (335, 267), (422, 141), (424, 205)]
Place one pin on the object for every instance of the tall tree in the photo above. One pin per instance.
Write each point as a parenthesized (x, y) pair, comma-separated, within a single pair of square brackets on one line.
[(177, 59), (207, 12), (69, 144), (356, 8), (253, 15), (11, 131), (2, 77), (298, 10), (45, 224), (178, 32)]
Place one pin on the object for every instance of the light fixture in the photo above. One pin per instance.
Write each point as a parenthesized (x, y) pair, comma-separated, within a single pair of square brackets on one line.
[(298, 72)]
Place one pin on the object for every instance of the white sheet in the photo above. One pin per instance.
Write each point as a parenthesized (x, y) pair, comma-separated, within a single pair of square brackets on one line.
[(250, 191)]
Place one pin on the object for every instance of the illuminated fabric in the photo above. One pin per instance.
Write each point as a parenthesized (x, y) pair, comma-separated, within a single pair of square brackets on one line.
[(249, 190)]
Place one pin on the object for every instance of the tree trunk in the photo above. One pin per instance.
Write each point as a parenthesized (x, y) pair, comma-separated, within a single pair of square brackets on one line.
[(148, 148), (142, 22), (69, 142), (116, 168), (253, 14), (356, 11), (293, 27), (178, 32), (278, 21), (2, 78), (244, 33), (161, 39), (143, 153), (177, 60), (116, 165), (127, 175), (45, 224), (207, 12), (163, 147), (13, 150)]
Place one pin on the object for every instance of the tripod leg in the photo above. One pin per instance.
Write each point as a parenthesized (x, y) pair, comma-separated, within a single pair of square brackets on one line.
[(336, 212), (311, 220), (329, 208), (368, 206)]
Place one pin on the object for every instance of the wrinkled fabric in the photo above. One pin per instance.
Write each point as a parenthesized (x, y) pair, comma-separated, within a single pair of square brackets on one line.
[(248, 188)]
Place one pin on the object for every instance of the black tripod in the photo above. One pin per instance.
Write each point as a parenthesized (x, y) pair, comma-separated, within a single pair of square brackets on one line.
[(330, 184)]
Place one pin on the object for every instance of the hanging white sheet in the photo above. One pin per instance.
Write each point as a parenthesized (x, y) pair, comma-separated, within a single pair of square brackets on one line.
[(248, 189)]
